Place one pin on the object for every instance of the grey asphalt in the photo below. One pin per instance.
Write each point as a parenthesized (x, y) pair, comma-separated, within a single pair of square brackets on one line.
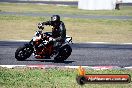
[(68, 15), (83, 54)]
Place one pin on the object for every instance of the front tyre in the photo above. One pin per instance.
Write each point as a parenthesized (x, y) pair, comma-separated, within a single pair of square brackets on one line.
[(22, 53), (64, 53)]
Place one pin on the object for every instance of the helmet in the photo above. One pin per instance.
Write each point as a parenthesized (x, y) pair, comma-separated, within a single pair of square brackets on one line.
[(55, 18)]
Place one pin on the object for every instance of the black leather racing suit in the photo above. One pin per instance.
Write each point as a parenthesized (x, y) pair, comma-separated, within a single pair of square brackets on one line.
[(58, 30)]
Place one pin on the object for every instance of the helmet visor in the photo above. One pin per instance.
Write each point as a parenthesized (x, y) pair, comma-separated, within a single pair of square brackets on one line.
[(54, 18)]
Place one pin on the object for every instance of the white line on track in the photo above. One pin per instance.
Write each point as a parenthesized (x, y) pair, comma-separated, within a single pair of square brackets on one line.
[(76, 42)]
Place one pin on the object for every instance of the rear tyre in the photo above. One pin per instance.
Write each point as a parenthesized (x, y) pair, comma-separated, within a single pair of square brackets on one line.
[(64, 53), (22, 53)]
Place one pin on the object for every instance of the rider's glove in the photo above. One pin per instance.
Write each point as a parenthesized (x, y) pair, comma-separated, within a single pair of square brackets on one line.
[(40, 26), (52, 39)]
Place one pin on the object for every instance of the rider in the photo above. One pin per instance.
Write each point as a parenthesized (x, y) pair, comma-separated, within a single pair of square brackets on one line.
[(58, 30)]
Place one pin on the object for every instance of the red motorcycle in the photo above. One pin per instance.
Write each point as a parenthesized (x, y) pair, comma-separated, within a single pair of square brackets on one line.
[(41, 47)]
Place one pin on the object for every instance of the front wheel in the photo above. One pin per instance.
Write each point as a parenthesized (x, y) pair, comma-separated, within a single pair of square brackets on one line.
[(64, 53), (22, 53)]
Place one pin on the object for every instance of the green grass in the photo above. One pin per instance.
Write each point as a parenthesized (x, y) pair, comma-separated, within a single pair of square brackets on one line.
[(10, 7), (82, 30), (52, 78)]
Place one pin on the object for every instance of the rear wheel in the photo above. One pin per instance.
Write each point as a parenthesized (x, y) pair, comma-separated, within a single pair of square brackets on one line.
[(63, 54), (22, 53)]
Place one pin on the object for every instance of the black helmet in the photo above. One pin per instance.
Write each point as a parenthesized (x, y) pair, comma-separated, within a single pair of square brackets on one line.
[(55, 18)]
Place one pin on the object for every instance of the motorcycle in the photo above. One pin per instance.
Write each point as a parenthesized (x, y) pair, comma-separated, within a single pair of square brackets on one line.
[(42, 48)]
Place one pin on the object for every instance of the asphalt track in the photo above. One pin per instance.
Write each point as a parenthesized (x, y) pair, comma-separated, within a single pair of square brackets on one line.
[(83, 54)]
